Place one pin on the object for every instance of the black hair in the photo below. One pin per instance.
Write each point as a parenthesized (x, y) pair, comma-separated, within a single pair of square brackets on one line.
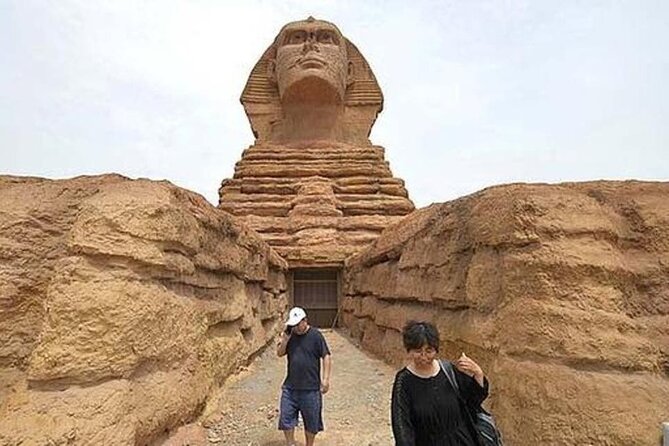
[(417, 334)]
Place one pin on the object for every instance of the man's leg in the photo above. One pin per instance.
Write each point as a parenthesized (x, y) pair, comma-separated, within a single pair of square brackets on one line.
[(309, 438), (288, 416), (311, 405), (290, 437)]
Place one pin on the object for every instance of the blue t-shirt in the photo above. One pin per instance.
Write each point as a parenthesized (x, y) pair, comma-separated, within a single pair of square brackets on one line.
[(304, 355)]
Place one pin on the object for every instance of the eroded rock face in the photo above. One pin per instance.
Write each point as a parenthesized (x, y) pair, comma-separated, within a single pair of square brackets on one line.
[(560, 292), (122, 304), (312, 185)]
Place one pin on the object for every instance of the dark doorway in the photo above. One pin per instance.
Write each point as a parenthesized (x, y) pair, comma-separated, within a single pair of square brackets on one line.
[(317, 291)]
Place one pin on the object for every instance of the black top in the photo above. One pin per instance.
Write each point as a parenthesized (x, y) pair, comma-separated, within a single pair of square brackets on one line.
[(427, 411), (304, 360)]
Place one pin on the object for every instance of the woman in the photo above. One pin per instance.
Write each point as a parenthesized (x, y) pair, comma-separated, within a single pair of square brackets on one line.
[(426, 410)]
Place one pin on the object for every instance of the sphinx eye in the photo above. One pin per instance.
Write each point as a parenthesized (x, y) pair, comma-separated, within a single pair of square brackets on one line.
[(296, 37), (327, 37)]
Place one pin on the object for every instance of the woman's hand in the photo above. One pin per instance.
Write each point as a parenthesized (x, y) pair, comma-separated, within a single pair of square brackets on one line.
[(467, 366)]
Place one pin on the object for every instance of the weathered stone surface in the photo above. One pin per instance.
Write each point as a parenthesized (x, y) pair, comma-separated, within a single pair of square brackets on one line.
[(318, 213), (315, 219), (122, 304), (561, 292)]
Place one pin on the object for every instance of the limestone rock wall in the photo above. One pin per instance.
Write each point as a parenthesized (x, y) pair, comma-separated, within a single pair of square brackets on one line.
[(561, 292), (315, 202), (122, 304)]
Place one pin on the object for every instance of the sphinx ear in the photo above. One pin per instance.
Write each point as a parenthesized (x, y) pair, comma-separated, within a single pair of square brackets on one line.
[(271, 71), (350, 74)]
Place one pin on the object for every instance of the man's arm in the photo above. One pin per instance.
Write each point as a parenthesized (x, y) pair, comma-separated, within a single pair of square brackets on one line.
[(283, 343), (327, 368)]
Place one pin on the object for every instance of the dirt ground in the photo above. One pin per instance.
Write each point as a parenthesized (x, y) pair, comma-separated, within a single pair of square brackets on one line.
[(356, 410)]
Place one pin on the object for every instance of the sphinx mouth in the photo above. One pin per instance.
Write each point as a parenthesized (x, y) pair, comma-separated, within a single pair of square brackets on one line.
[(311, 62)]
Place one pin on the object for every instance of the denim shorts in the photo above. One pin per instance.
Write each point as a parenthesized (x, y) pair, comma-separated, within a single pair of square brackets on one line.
[(309, 403)]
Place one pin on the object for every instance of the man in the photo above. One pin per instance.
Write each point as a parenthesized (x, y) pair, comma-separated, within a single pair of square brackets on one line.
[(304, 386)]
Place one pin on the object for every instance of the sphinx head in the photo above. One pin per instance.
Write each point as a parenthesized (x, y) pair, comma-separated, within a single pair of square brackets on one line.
[(311, 65), (310, 84)]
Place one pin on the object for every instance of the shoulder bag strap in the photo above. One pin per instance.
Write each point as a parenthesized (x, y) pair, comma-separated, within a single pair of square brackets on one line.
[(447, 367)]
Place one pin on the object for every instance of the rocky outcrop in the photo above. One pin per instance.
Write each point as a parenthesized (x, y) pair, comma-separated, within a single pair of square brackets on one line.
[(561, 292), (122, 305), (315, 203)]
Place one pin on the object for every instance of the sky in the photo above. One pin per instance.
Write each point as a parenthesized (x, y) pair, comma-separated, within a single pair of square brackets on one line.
[(477, 92)]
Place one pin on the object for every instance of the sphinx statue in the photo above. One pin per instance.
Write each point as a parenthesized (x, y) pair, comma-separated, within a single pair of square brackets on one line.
[(312, 184)]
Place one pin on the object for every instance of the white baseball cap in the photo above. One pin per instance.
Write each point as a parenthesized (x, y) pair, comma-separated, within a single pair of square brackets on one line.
[(295, 315)]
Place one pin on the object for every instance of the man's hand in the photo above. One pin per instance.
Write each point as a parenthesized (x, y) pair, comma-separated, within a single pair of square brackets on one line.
[(325, 378), (283, 342)]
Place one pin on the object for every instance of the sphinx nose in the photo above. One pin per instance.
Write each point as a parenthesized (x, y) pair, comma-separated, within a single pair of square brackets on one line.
[(311, 44)]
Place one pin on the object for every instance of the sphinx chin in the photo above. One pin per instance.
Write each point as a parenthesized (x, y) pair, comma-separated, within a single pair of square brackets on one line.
[(311, 89)]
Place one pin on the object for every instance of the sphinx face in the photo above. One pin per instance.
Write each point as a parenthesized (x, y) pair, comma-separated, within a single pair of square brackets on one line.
[(311, 63)]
